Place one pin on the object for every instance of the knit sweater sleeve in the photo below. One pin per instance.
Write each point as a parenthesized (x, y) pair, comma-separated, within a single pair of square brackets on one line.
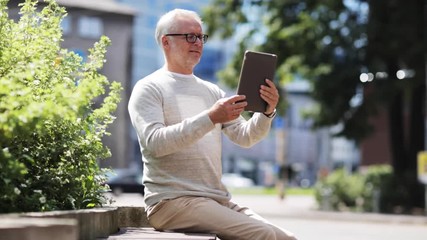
[(247, 133)]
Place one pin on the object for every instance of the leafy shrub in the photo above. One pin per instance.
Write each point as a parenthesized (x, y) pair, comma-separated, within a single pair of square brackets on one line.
[(397, 191), (377, 189), (377, 178), (341, 190), (50, 129)]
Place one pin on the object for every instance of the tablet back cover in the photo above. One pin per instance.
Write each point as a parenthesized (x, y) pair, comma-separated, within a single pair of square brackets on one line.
[(256, 67)]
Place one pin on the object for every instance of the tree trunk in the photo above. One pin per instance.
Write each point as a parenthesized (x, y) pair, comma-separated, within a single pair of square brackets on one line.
[(416, 143), (397, 143)]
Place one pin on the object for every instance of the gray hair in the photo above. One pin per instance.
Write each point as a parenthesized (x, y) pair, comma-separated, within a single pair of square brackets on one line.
[(166, 22)]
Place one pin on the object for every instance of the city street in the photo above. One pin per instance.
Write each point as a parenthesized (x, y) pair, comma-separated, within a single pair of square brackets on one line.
[(299, 215)]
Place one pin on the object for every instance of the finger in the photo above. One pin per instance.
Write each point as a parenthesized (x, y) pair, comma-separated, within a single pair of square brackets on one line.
[(269, 93), (241, 105), (271, 89), (270, 83), (235, 98), (267, 99), (237, 112), (271, 98)]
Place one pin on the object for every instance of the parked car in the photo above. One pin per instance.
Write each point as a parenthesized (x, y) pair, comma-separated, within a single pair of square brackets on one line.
[(125, 181), (234, 180)]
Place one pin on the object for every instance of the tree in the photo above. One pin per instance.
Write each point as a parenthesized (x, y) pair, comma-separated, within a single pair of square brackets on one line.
[(330, 43), (396, 35), (50, 130)]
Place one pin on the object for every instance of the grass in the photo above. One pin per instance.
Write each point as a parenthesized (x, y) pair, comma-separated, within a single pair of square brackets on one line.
[(271, 191)]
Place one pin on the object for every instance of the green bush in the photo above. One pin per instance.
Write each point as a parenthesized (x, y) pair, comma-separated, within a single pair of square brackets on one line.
[(341, 190), (50, 129), (377, 178), (376, 189), (396, 192)]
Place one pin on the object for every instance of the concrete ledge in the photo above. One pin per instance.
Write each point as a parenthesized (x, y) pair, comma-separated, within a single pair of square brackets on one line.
[(100, 223), (34, 229), (92, 223), (132, 217), (362, 217)]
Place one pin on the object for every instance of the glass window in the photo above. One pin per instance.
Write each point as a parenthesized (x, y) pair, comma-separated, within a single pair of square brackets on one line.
[(90, 27), (66, 25), (152, 21)]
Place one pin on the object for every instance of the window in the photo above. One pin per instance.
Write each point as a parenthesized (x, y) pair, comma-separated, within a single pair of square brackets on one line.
[(90, 27), (66, 25)]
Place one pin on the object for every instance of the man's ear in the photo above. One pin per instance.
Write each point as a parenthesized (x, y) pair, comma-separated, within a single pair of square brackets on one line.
[(165, 41)]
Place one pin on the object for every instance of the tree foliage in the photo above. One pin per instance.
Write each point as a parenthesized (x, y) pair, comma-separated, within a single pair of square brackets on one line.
[(320, 41), (50, 131), (331, 43)]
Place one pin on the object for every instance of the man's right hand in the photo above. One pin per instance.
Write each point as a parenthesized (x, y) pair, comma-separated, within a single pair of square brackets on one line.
[(227, 109)]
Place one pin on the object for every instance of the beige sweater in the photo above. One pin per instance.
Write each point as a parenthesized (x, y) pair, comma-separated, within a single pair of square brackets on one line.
[(181, 147)]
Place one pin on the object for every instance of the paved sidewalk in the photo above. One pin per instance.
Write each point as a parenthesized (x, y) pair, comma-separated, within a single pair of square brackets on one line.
[(305, 207), (293, 206)]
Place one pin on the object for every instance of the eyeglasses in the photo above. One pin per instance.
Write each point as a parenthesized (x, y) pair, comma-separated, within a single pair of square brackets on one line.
[(191, 37)]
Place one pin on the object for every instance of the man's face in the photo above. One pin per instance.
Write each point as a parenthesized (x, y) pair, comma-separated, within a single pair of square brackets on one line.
[(181, 53)]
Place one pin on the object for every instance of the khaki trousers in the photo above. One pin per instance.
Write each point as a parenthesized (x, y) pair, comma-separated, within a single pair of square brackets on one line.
[(228, 221)]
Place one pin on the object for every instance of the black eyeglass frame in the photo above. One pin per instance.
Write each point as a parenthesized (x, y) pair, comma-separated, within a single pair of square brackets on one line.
[(191, 37)]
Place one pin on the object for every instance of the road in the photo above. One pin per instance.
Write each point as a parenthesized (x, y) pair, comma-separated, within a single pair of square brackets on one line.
[(299, 215)]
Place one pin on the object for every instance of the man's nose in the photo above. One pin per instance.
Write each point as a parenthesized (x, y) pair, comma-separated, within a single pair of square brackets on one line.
[(199, 40)]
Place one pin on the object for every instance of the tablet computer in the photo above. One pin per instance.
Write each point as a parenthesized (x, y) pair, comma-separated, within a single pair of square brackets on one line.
[(256, 67)]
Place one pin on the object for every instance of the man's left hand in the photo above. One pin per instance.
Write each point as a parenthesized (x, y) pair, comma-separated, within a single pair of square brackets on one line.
[(270, 94)]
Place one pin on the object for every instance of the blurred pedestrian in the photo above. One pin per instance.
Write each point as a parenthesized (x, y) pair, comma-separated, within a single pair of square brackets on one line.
[(282, 180)]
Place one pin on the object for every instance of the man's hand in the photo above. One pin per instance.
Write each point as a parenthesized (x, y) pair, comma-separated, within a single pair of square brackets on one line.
[(227, 109), (270, 94)]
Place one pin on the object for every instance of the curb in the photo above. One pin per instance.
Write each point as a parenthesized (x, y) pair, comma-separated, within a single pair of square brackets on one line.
[(132, 217), (357, 217)]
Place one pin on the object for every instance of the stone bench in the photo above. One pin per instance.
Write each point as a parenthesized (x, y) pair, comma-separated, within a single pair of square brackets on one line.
[(150, 233), (134, 224)]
